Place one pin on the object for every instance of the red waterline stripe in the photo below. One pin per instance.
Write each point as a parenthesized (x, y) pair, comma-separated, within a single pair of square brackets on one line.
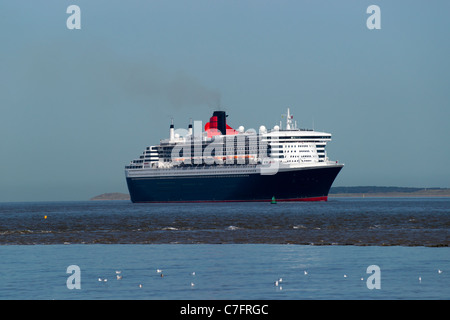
[(325, 198)]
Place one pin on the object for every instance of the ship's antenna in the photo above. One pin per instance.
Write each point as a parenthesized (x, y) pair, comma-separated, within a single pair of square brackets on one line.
[(288, 120), (190, 126)]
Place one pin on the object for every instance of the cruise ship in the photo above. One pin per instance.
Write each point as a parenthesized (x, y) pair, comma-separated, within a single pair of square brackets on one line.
[(215, 162)]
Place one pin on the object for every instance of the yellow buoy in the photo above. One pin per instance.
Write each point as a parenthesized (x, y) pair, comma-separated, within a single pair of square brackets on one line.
[(45, 217)]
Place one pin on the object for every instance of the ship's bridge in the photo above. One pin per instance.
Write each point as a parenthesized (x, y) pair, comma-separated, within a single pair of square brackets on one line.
[(297, 146)]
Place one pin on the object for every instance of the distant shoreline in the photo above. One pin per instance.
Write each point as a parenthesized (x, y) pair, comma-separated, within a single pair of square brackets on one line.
[(338, 192), (386, 195), (378, 192), (111, 196)]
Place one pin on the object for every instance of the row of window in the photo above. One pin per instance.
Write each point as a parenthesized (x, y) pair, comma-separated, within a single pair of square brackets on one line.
[(293, 151), (299, 137)]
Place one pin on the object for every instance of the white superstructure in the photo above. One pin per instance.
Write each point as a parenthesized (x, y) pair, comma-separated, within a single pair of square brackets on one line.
[(206, 150)]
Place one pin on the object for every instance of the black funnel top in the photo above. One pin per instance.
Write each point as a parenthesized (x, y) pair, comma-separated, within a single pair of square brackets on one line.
[(221, 121)]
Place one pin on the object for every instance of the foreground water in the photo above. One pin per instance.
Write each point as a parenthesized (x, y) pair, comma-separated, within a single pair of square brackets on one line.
[(226, 251), (233, 271)]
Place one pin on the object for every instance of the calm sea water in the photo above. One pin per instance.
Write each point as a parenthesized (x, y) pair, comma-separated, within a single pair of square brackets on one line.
[(237, 251)]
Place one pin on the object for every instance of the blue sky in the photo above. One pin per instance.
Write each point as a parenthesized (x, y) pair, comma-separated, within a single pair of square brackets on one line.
[(77, 105)]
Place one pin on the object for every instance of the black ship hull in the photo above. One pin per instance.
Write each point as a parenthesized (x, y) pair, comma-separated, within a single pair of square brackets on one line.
[(311, 184)]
